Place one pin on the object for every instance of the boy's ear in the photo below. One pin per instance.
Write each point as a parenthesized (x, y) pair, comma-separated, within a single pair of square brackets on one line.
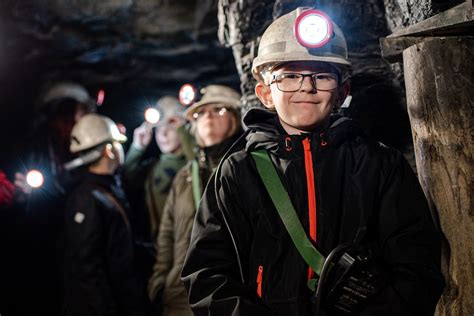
[(264, 94), (109, 151), (342, 92)]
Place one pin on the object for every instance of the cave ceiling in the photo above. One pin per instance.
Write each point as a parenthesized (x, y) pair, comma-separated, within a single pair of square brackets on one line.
[(139, 50)]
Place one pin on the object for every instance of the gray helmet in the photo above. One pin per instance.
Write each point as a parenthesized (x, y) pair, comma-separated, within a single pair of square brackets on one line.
[(215, 94), (279, 44), (67, 90), (169, 106), (92, 130)]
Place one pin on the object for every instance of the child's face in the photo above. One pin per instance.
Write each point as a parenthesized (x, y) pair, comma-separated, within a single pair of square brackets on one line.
[(166, 135), (305, 109)]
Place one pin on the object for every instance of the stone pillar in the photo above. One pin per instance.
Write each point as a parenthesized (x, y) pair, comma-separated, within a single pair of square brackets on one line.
[(439, 78)]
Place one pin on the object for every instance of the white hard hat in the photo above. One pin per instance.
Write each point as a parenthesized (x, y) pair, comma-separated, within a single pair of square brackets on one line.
[(67, 90), (215, 94), (169, 106), (93, 130), (281, 43)]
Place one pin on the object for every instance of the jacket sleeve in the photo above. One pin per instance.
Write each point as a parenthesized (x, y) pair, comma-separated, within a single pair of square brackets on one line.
[(411, 247), (135, 169), (212, 272), (165, 246)]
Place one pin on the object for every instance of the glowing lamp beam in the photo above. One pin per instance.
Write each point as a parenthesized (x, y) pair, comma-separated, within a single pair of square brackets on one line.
[(313, 28), (152, 115), (34, 178)]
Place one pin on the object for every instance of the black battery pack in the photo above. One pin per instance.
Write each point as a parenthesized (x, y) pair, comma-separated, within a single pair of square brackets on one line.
[(353, 278)]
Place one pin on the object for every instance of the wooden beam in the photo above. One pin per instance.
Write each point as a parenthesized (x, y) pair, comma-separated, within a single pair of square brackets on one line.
[(440, 101), (392, 48), (459, 15), (457, 21)]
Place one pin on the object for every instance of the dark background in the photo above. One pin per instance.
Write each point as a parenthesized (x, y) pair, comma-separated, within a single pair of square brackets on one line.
[(137, 52)]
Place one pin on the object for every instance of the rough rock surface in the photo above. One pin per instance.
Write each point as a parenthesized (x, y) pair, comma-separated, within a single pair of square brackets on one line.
[(137, 50)]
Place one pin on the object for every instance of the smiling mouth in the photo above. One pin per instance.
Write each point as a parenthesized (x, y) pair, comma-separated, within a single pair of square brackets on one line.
[(306, 102)]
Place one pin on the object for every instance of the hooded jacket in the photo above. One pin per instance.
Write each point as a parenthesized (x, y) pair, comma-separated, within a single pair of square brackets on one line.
[(241, 260), (175, 230)]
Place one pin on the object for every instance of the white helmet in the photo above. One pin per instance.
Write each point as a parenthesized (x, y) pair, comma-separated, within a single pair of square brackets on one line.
[(67, 90), (93, 130), (215, 94), (284, 41), (169, 106)]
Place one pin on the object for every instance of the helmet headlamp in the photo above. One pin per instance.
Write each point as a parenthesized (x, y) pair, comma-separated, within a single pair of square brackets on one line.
[(100, 97), (152, 115), (187, 94), (313, 28)]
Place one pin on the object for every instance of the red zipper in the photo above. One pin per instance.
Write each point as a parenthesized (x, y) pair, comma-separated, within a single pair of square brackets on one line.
[(259, 281), (308, 163)]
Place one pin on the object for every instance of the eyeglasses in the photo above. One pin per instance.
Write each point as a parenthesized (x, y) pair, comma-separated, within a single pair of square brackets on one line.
[(291, 82), (212, 110)]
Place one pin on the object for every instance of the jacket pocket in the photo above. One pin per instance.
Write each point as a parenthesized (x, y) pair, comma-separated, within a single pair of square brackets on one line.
[(259, 281)]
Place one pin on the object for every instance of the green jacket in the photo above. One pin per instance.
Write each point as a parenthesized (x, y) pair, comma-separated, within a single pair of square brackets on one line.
[(154, 177), (150, 180)]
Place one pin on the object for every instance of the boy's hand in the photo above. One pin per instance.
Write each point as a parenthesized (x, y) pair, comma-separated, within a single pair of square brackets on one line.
[(22, 189)]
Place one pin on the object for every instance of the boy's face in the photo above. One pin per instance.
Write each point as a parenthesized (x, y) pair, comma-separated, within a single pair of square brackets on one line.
[(302, 110)]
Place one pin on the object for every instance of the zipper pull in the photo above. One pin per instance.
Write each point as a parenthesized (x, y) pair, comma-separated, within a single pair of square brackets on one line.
[(323, 141), (288, 145), (259, 281), (306, 144)]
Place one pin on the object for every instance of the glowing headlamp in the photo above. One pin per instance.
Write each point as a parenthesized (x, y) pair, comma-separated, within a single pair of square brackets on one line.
[(34, 179), (187, 94), (152, 115), (313, 28)]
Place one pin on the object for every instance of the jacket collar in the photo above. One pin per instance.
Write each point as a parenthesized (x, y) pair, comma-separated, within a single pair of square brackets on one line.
[(213, 154), (266, 132), (102, 180)]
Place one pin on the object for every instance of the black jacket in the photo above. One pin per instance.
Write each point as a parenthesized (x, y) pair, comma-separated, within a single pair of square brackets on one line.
[(99, 276), (365, 193)]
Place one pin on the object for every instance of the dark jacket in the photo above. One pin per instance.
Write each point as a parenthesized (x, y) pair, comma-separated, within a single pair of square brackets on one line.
[(99, 268), (175, 230), (365, 193)]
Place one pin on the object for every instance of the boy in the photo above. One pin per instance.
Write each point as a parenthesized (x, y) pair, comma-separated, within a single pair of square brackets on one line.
[(99, 272), (344, 188)]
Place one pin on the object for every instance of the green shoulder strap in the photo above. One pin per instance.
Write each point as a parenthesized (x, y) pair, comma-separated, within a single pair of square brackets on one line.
[(196, 183), (288, 215)]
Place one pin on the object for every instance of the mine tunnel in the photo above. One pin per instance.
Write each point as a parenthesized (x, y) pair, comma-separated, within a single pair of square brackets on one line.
[(411, 90)]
